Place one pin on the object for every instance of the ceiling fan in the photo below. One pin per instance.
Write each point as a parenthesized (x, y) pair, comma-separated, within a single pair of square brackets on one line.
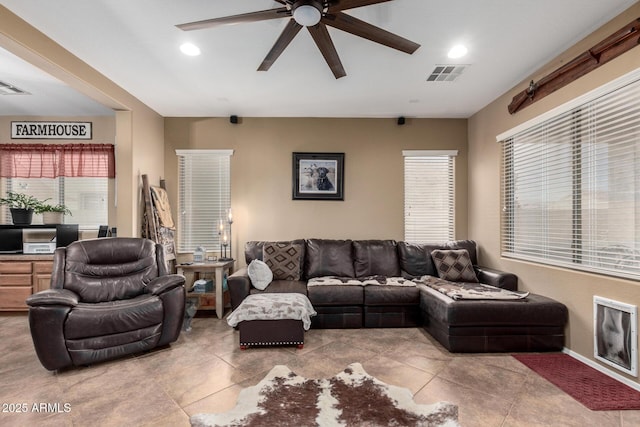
[(315, 15)]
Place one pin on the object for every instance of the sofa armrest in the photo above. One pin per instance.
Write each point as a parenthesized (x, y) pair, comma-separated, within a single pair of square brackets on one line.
[(239, 286), (48, 297), (48, 311), (165, 283), (497, 278)]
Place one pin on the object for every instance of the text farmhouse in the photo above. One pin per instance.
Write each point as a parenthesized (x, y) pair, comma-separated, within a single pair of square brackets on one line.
[(51, 130)]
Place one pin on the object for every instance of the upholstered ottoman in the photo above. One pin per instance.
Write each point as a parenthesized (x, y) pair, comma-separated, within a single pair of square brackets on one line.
[(272, 319), (534, 323)]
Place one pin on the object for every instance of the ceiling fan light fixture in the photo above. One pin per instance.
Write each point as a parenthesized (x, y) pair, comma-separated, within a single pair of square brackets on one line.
[(307, 12)]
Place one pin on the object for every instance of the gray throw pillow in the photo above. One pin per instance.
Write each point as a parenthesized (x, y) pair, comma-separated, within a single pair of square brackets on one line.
[(454, 265), (260, 274)]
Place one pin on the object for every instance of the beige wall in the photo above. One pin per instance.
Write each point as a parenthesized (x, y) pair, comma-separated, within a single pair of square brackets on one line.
[(139, 132), (262, 162), (574, 289), (139, 151)]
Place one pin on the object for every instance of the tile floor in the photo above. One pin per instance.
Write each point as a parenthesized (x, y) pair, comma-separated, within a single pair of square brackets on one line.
[(205, 370)]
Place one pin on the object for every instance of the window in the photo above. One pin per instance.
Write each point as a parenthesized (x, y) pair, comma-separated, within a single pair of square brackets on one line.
[(571, 184), (204, 197), (76, 175), (86, 198), (429, 195)]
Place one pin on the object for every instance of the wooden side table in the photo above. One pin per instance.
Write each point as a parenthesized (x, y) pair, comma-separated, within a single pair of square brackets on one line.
[(216, 267)]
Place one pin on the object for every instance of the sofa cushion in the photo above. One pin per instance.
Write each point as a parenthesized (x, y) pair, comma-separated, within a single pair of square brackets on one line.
[(328, 258), (415, 259), (284, 259), (535, 310), (391, 295), (260, 274), (454, 265), (81, 349), (113, 317), (101, 270), (375, 258), (336, 295)]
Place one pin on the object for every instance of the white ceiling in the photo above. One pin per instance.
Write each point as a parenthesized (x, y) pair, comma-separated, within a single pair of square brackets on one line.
[(135, 44), (46, 96)]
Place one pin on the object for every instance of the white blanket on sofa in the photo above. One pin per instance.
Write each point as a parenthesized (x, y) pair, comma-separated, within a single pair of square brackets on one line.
[(273, 306), (363, 281), (333, 281), (470, 291)]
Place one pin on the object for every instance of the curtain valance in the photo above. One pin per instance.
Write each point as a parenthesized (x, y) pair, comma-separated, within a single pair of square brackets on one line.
[(54, 160)]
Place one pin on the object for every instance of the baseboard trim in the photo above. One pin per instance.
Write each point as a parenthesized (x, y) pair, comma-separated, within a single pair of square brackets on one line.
[(634, 385)]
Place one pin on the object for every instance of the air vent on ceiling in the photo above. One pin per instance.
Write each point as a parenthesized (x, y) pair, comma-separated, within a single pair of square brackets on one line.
[(8, 89), (446, 73)]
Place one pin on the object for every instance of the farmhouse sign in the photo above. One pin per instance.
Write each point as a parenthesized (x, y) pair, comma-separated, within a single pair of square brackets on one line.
[(51, 130)]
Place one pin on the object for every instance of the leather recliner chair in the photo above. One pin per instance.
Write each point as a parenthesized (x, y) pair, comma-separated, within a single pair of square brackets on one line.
[(108, 298)]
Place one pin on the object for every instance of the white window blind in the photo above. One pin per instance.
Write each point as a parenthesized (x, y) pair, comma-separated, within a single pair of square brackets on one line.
[(429, 196), (204, 197), (571, 186), (85, 197)]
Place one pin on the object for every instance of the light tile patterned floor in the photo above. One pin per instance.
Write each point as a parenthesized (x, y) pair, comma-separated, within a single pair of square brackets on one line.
[(205, 370)]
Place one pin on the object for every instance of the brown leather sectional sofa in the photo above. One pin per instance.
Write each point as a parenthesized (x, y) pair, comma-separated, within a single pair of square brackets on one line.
[(534, 324)]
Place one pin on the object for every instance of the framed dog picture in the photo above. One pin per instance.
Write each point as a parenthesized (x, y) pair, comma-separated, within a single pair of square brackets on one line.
[(318, 176)]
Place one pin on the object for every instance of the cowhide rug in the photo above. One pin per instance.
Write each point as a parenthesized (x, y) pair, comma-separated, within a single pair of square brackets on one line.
[(351, 398)]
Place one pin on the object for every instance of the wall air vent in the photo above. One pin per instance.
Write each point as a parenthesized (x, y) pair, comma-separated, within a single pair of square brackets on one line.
[(446, 73), (8, 89)]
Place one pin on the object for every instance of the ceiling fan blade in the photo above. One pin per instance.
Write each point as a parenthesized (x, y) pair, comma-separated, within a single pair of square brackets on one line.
[(262, 15), (339, 5), (325, 44), (289, 32), (357, 27)]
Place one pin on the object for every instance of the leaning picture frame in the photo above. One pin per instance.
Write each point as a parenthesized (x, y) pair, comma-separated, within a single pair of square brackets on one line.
[(318, 176), (615, 334)]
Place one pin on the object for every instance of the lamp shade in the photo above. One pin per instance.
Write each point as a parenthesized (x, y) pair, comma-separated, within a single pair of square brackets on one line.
[(307, 15)]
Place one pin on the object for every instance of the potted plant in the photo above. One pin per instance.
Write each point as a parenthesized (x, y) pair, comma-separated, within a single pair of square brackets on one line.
[(52, 214), (21, 207)]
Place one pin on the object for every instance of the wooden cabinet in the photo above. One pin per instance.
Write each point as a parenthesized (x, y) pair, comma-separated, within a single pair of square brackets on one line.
[(41, 275), (20, 276)]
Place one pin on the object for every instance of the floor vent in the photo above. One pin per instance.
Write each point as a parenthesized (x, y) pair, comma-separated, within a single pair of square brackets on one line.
[(446, 73), (8, 89)]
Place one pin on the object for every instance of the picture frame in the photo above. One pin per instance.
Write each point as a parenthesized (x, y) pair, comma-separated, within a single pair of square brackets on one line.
[(615, 334), (318, 176)]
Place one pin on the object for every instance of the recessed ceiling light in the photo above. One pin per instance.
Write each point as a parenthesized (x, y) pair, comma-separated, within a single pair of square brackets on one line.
[(458, 51), (190, 49)]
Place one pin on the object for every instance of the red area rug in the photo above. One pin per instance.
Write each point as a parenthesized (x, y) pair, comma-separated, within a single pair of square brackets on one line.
[(585, 384)]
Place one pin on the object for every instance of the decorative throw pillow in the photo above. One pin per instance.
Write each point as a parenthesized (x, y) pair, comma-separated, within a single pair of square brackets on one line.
[(454, 265), (283, 259), (260, 274)]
